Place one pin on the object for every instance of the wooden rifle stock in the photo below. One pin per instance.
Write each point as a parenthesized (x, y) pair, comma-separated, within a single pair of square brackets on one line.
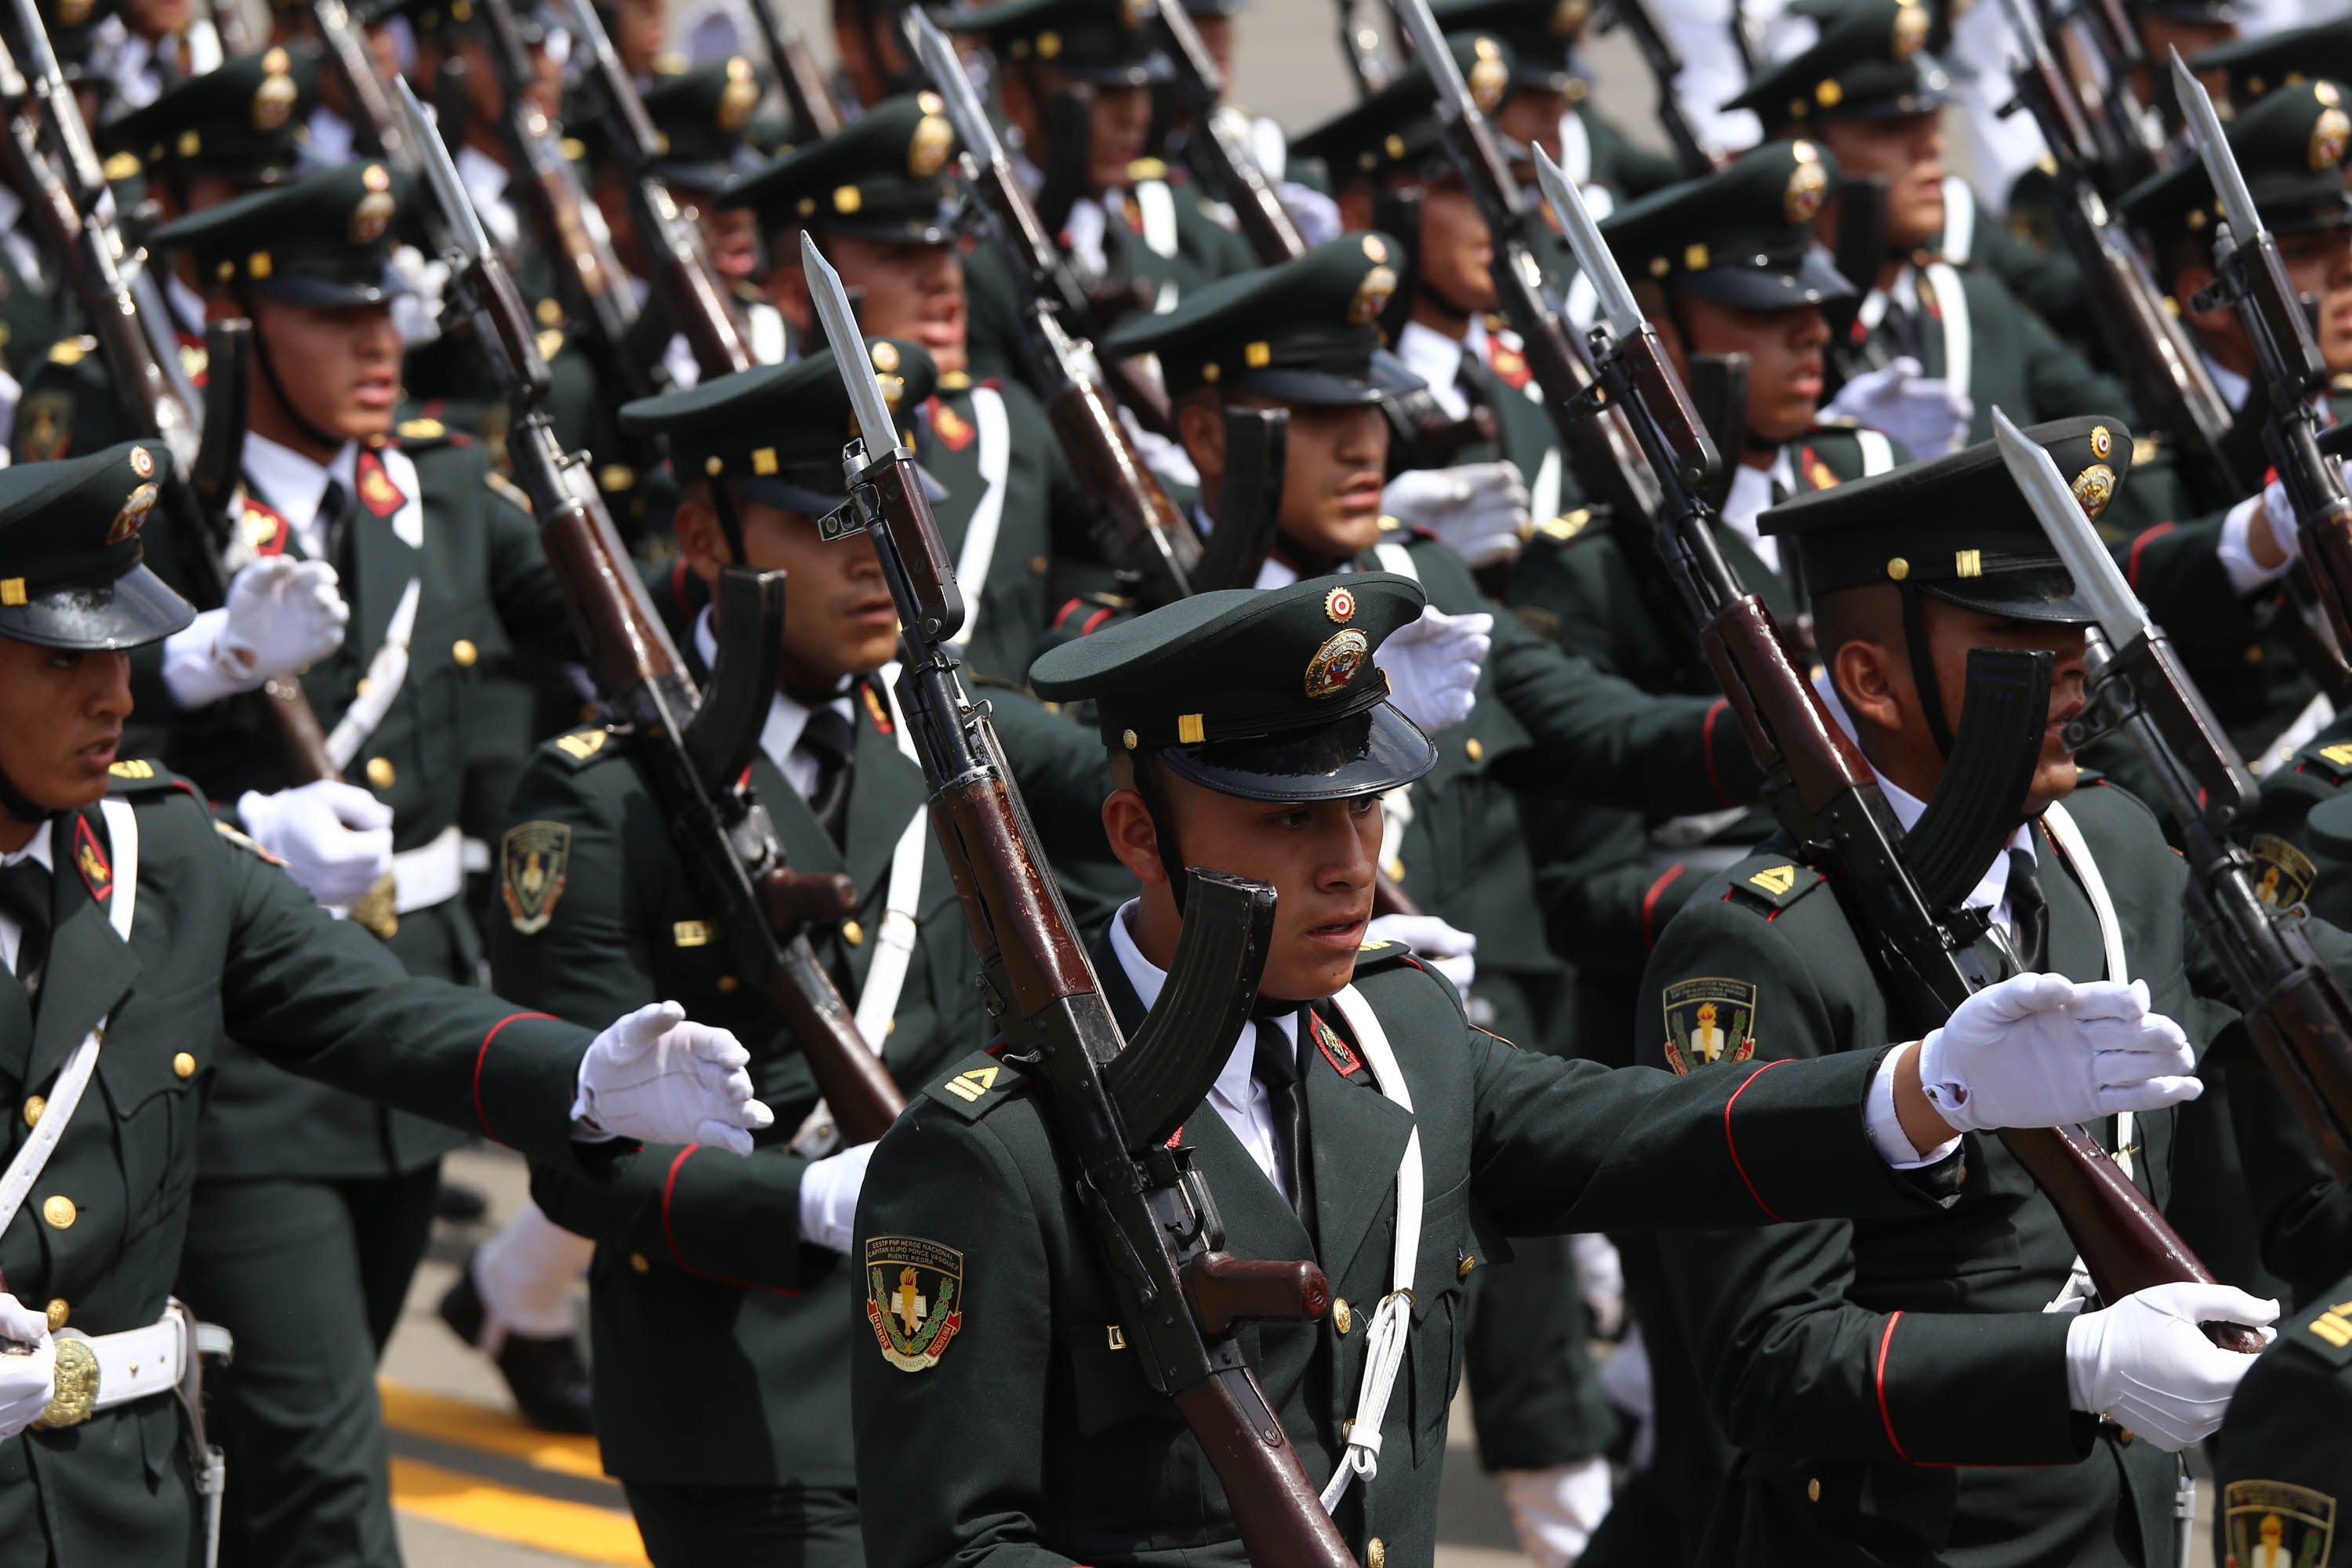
[(815, 118), (1265, 1485), (1147, 535)]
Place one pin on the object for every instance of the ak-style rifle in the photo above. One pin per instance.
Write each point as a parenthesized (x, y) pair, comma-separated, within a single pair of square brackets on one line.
[(374, 122), (1360, 43), (693, 748), (589, 277), (692, 302), (2161, 368), (815, 117), (1216, 145), (1900, 892), (1114, 1103), (2296, 1012), (1666, 63), (2133, 133), (1145, 534)]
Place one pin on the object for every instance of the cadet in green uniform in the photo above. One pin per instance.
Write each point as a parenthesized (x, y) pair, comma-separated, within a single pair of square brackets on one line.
[(2284, 1468), (1867, 93), (736, 1263), (2224, 570), (140, 933), (1041, 1442), (315, 1206), (1917, 1389), (208, 140), (2261, 64), (876, 200), (1132, 222)]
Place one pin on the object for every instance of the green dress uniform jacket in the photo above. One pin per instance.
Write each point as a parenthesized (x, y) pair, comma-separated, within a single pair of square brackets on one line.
[(2282, 1459), (221, 944), (698, 1250), (1896, 1388), (1034, 1439)]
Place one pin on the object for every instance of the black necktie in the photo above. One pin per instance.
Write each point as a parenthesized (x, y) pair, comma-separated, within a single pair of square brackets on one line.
[(826, 740), (1277, 1066), (335, 530), (24, 899), (2029, 912)]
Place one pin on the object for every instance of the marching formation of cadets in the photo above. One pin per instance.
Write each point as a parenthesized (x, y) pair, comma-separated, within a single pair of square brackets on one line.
[(1537, 939)]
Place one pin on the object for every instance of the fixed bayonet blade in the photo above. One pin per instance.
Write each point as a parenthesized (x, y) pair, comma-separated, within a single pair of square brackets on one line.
[(441, 173), (1623, 316), (2096, 576), (945, 68), (874, 425), (2213, 150), (1453, 99)]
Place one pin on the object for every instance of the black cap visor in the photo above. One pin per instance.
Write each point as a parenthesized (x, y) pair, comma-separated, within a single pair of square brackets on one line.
[(1770, 283), (1361, 753), (1315, 388), (2036, 593), (329, 291), (128, 612)]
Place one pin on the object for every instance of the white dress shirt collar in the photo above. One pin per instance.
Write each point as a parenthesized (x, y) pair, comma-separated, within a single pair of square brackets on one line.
[(294, 485), (2227, 382), (36, 848), (1751, 493), (1437, 359)]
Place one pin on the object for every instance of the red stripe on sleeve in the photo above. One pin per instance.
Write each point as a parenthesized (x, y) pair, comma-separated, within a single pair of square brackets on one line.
[(669, 1236), (2131, 568), (1733, 1144), (1707, 739), (483, 1055), (1886, 1339), (1650, 905)]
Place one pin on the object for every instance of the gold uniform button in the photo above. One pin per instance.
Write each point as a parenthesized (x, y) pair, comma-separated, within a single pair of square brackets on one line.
[(1039, 565), (853, 933), (1813, 1490), (183, 1065), (1376, 1552), (1462, 1269), (1343, 1317), (727, 982), (59, 1211), (34, 1106), (2254, 654), (463, 652), (379, 771), (1473, 748), (57, 1314), (637, 1261)]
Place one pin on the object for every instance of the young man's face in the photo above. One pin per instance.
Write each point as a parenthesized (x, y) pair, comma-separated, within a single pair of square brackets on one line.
[(158, 19), (639, 28), (1531, 117), (2319, 266), (1908, 152), (1784, 360), (61, 714), (339, 367), (1120, 122), (1334, 464), (910, 290), (839, 618), (872, 53), (731, 234), (1318, 856), (1457, 250)]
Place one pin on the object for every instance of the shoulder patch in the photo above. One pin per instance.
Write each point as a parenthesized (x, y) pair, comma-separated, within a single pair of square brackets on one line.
[(2285, 875), (1774, 884), (140, 775), (245, 843), (1381, 955), (914, 1299), (975, 1086), (507, 489), (2277, 1522), (1710, 1019), (534, 863), (131, 768), (583, 746)]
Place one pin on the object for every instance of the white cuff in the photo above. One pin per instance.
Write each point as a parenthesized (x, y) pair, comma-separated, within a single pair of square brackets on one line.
[(2236, 553), (2083, 1345), (1886, 1135)]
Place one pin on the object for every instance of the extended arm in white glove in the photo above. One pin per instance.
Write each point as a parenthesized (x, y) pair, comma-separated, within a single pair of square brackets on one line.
[(1447, 950), (27, 1381), (335, 838), (1432, 665), (2143, 1363), (655, 1076), (2041, 1050), (282, 615), (1926, 413), (1479, 509), (829, 1189)]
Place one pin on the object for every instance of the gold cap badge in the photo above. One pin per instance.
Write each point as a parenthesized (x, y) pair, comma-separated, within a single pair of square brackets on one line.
[(2328, 135), (2093, 488), (1808, 186), (1372, 296), (1335, 664), (134, 512), (928, 149)]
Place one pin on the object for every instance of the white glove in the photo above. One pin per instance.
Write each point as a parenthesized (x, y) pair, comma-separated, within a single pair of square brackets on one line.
[(1479, 509), (1601, 1274), (2041, 1050), (282, 615), (1556, 1510), (1432, 665), (335, 838), (1315, 214), (654, 1077), (417, 313), (28, 1382), (1440, 946), (2143, 1363), (1925, 413), (829, 1197)]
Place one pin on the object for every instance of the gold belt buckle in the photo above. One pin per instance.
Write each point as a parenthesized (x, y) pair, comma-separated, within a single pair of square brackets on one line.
[(77, 1385)]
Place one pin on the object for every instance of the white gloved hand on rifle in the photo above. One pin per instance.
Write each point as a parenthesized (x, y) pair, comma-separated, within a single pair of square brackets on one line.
[(2144, 1364), (282, 615), (1926, 413), (1480, 510), (335, 838)]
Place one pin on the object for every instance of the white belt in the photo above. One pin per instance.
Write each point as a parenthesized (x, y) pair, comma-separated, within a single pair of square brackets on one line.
[(432, 873), (99, 1373)]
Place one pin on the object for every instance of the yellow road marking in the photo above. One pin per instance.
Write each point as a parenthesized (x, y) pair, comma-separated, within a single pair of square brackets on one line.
[(472, 1425), (570, 1528)]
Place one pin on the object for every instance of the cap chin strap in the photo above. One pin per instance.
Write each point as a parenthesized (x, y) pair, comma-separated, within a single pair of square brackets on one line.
[(731, 521), (1923, 669), (18, 808), (1148, 785), (261, 356)]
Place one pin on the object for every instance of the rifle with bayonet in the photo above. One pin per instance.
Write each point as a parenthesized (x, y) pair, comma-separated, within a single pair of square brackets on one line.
[(1215, 142), (815, 117), (1360, 43), (589, 277), (366, 103), (1900, 892), (693, 748), (2298, 1013), (1114, 1104), (1666, 63), (1146, 536), (692, 302), (2098, 47), (2290, 375), (2161, 368)]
